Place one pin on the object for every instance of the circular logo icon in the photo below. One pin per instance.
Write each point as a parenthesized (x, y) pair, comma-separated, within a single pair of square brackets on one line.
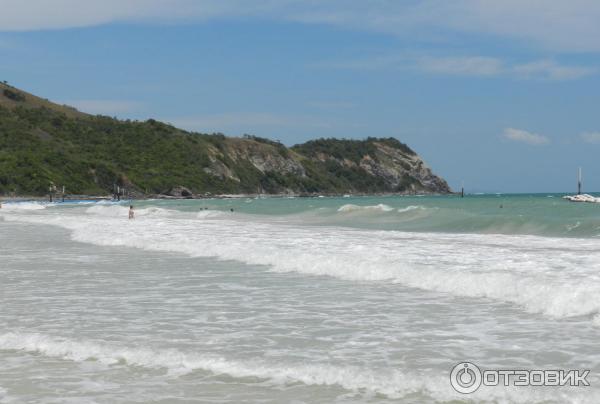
[(465, 377)]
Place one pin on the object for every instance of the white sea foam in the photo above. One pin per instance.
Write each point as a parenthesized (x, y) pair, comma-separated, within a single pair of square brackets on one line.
[(108, 210), (177, 362), (120, 211), (206, 214), (411, 207), (556, 277), (17, 206), (392, 383), (542, 275), (353, 208)]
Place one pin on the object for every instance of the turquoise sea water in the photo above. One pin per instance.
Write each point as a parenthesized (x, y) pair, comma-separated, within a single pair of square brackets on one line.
[(536, 214), (303, 300)]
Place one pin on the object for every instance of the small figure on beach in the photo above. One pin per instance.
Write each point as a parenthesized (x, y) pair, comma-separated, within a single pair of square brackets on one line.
[(131, 213)]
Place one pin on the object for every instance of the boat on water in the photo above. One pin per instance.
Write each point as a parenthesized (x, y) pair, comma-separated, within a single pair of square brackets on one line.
[(581, 197)]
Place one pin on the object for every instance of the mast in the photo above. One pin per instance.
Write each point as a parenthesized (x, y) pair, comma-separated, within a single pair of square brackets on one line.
[(579, 182)]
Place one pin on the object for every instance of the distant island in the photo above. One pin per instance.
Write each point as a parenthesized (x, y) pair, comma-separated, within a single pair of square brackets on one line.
[(43, 143)]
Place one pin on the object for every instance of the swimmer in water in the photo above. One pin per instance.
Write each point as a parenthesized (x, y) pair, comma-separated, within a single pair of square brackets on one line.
[(131, 213)]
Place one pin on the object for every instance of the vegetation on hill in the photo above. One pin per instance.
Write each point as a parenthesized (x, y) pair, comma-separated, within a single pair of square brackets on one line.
[(353, 150), (42, 143)]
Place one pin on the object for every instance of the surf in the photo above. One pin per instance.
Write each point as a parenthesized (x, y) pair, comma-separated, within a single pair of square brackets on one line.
[(539, 274)]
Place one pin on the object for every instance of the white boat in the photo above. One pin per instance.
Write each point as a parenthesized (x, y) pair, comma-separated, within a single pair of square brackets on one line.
[(581, 197)]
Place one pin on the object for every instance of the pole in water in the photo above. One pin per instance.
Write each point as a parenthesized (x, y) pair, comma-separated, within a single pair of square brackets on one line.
[(579, 182)]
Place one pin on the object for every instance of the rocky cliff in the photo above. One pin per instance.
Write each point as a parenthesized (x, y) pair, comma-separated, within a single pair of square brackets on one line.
[(43, 143)]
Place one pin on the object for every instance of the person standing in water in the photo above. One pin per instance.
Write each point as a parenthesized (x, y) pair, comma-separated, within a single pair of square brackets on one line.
[(131, 213)]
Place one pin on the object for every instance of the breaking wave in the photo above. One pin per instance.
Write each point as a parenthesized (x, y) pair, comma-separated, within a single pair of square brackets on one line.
[(17, 206), (540, 274), (120, 211), (354, 208), (411, 207), (391, 383)]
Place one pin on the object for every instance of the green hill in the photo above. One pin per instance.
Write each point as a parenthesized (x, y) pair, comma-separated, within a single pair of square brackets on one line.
[(43, 143)]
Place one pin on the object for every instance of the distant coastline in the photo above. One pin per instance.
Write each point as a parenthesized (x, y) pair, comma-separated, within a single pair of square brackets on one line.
[(51, 146)]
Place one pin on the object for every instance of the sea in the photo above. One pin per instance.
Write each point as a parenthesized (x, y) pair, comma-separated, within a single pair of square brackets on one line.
[(298, 300)]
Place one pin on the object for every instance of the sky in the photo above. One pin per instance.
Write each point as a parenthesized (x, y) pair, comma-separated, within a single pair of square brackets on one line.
[(503, 96)]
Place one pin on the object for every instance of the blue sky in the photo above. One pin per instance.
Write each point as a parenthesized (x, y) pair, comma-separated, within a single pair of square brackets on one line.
[(504, 96)]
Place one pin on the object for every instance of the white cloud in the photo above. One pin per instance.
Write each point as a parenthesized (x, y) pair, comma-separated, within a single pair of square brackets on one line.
[(463, 66), (371, 63), (448, 65), (591, 137), (519, 135), (570, 26), (482, 66), (549, 69), (557, 25), (26, 15), (105, 107)]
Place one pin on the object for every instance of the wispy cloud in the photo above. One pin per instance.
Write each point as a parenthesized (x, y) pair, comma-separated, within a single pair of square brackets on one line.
[(106, 107), (447, 65), (523, 136), (549, 69), (462, 66), (567, 26), (368, 63), (555, 25), (591, 137), (482, 66)]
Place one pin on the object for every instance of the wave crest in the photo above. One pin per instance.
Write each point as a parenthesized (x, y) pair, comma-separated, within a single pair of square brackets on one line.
[(392, 383), (17, 206), (356, 208)]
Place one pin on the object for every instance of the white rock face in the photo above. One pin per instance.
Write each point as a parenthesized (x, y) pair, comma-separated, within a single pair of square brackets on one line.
[(394, 169), (265, 158)]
